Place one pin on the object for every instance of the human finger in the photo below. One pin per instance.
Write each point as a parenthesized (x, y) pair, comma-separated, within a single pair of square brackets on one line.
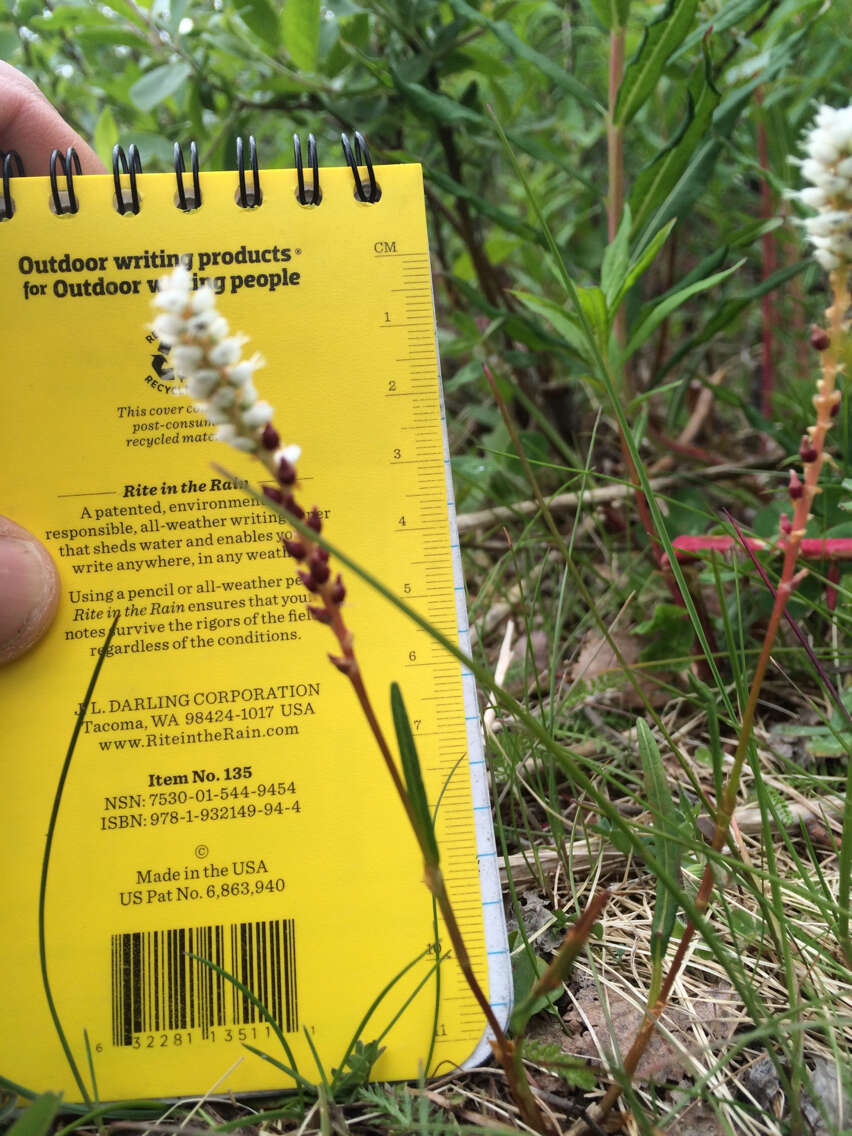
[(30, 125), (29, 590)]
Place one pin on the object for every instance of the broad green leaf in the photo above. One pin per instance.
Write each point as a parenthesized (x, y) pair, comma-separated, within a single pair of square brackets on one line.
[(575, 1071), (413, 779), (616, 259), (542, 63), (668, 633), (667, 847), (38, 1118), (159, 84), (656, 316), (300, 23), (260, 17), (655, 182), (642, 262), (527, 969), (643, 71), (105, 135)]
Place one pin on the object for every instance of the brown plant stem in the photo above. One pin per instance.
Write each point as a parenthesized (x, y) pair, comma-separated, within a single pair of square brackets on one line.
[(347, 663)]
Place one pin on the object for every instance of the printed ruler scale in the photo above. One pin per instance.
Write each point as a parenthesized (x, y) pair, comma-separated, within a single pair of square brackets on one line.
[(440, 595), (226, 793)]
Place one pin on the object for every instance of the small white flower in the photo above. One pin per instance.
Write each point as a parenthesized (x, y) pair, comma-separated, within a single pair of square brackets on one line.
[(204, 299), (202, 384), (229, 434), (223, 398), (168, 327), (258, 415), (213, 414), (187, 358), (227, 352), (241, 372), (289, 453), (201, 323)]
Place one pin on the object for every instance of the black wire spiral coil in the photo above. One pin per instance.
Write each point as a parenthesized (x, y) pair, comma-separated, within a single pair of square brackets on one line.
[(9, 159), (249, 193)]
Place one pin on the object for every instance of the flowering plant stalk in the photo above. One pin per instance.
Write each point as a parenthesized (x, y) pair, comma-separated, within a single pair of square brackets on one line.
[(828, 167), (207, 358)]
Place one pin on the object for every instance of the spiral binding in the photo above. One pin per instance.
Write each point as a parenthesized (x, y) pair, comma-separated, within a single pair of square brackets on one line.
[(70, 162), (131, 164), (243, 199), (67, 165), (8, 158), (374, 191), (310, 195), (183, 202)]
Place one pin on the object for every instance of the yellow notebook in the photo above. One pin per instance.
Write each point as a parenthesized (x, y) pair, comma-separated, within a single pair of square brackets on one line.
[(226, 798)]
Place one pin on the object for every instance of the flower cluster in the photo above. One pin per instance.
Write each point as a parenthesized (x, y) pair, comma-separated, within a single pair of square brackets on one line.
[(828, 168), (209, 360)]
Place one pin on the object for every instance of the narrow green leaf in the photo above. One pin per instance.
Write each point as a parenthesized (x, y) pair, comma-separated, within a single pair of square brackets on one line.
[(505, 220), (260, 18), (726, 312), (642, 262), (159, 84), (658, 313), (435, 105), (37, 1119), (660, 39), (655, 182), (594, 308), (731, 14), (504, 32), (446, 110), (667, 847), (300, 23), (560, 319), (616, 259), (413, 778)]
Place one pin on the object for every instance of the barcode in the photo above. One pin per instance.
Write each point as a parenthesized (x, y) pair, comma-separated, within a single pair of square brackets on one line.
[(156, 985)]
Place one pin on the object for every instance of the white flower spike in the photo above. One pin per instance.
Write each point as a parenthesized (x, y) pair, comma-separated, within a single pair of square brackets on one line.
[(208, 360), (828, 168)]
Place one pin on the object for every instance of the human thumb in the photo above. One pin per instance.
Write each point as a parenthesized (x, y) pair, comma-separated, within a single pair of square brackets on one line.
[(29, 590)]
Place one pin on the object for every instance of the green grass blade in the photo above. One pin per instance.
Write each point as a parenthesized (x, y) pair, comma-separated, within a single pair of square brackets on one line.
[(38, 1118), (414, 779), (666, 845), (45, 863)]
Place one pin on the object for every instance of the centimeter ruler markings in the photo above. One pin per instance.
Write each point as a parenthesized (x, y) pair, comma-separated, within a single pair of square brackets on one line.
[(450, 707)]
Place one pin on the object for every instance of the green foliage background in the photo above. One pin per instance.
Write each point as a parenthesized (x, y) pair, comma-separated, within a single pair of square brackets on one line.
[(422, 80)]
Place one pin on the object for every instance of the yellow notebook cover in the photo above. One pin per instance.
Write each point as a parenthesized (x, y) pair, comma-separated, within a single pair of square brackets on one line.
[(226, 798)]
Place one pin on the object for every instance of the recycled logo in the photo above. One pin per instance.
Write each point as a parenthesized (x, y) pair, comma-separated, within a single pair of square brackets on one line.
[(160, 376)]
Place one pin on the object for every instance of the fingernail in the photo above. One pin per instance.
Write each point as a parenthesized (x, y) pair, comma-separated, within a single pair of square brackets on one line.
[(29, 590)]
